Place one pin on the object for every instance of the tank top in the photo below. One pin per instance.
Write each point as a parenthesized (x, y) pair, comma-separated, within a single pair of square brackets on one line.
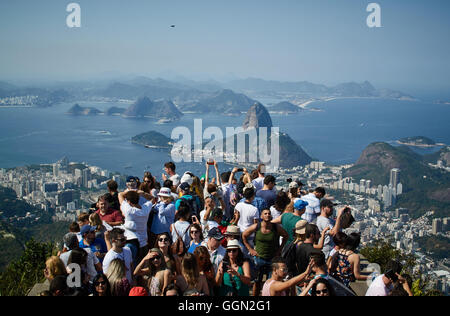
[(266, 289), (266, 244), (227, 286), (344, 269)]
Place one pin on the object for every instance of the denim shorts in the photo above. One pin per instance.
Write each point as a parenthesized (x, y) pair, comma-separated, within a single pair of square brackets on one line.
[(262, 267)]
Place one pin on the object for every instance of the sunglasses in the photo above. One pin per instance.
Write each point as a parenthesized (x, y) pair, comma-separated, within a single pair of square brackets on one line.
[(324, 291), (232, 250), (100, 283), (156, 258), (163, 239), (121, 239), (194, 231)]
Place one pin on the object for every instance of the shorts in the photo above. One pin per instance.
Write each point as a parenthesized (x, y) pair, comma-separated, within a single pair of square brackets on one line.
[(262, 267)]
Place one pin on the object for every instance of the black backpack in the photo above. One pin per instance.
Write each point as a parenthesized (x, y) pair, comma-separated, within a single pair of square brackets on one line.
[(289, 253), (191, 204)]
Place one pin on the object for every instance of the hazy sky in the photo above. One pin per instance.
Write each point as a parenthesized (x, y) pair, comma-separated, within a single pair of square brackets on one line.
[(316, 40)]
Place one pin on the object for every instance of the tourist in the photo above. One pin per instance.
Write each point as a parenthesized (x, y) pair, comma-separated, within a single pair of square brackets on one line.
[(164, 214), (318, 287), (171, 290), (190, 278), (180, 229), (100, 229), (138, 291), (136, 218), (101, 286), (310, 243), (258, 182), (325, 220), (153, 269), (188, 198), (347, 267), (245, 213), (93, 265), (215, 249), (169, 169), (119, 251), (97, 245), (148, 184), (83, 219), (281, 202), (54, 266), (313, 208), (214, 190), (383, 284), (268, 192), (288, 220), (164, 243), (267, 246), (233, 275), (196, 237), (205, 267), (112, 217), (113, 195), (117, 274), (276, 286)]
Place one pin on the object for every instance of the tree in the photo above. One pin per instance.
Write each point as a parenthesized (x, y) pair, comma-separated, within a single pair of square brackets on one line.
[(20, 275)]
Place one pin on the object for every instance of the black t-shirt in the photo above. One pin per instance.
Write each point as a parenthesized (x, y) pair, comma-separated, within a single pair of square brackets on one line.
[(303, 253)]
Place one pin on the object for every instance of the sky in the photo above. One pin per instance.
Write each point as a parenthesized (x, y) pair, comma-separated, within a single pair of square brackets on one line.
[(322, 41)]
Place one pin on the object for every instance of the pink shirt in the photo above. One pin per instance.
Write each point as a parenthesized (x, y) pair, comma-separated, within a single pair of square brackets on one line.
[(266, 289)]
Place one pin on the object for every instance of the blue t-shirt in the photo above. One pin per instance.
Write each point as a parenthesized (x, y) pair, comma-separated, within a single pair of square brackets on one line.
[(98, 245), (267, 195)]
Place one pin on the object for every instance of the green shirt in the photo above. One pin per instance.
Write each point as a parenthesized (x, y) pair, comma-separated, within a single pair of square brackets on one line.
[(288, 221), (266, 244)]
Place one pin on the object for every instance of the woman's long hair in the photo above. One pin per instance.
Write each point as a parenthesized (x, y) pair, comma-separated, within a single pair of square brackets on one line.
[(99, 276), (327, 284), (189, 270), (55, 266), (203, 251), (115, 274)]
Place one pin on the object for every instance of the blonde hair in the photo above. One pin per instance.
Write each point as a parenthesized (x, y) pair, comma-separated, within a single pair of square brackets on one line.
[(55, 266), (115, 274), (95, 220)]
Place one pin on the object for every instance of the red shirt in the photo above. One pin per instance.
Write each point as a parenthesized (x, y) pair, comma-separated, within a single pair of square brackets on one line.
[(111, 216)]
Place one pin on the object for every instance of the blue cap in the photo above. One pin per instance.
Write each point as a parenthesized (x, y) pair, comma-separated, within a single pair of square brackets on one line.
[(185, 186), (131, 179), (300, 204), (87, 229)]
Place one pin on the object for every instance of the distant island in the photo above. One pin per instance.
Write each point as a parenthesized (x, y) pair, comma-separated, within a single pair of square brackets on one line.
[(78, 110), (418, 141), (153, 139), (284, 108)]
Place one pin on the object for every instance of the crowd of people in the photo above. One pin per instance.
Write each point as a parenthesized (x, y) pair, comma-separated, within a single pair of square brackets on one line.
[(234, 234)]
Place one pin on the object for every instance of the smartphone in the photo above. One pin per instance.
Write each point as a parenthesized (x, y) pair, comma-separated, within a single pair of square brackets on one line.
[(210, 162), (240, 170)]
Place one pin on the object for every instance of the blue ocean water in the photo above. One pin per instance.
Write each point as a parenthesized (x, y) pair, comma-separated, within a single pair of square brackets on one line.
[(337, 134)]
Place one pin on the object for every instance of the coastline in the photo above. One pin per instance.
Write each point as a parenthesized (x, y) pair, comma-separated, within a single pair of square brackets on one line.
[(305, 104)]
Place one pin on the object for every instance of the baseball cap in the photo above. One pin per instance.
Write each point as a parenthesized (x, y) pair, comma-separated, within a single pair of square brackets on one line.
[(131, 179), (300, 227), (70, 240), (233, 244), (165, 192), (87, 229), (184, 186), (187, 178), (300, 204), (215, 233), (138, 291), (233, 230)]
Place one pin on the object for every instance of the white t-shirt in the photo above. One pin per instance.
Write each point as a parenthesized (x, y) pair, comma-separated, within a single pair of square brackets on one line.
[(258, 183), (274, 212), (175, 179), (312, 210), (247, 215), (183, 231), (91, 261), (125, 256), (206, 225), (136, 221), (378, 288)]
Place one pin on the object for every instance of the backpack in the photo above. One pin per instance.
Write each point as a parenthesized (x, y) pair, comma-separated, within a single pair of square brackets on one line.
[(178, 247), (289, 253)]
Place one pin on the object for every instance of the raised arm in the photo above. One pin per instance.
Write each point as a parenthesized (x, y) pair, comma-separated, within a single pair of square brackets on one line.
[(322, 239), (283, 286), (245, 236)]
